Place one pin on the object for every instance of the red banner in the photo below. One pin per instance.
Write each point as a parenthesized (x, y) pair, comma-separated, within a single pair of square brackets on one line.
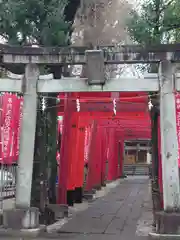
[(10, 119), (19, 125), (178, 123), (1, 116), (17, 118), (16, 108), (7, 127)]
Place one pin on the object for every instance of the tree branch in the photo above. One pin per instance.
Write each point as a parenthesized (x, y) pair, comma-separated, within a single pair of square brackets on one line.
[(170, 27), (166, 6)]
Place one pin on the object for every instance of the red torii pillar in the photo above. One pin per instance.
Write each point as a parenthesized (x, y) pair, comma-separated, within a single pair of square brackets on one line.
[(104, 148), (121, 158), (63, 163), (75, 176), (97, 158), (68, 164), (91, 176), (72, 148), (79, 163), (98, 169), (112, 156), (75, 173)]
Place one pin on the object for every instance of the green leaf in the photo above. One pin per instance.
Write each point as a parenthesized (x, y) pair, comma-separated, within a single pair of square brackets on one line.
[(157, 22), (35, 21)]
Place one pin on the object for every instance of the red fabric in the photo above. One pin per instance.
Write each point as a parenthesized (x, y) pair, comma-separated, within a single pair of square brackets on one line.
[(10, 119), (177, 97), (7, 128), (1, 115), (18, 114), (15, 108), (15, 119)]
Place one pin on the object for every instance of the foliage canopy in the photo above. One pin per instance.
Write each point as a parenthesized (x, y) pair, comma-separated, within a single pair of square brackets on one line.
[(157, 21), (28, 22)]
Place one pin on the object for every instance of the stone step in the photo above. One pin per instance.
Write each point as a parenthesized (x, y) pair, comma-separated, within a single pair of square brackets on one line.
[(136, 169)]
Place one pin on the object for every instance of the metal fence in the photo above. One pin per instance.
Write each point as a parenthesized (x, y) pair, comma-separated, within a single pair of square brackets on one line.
[(7, 185)]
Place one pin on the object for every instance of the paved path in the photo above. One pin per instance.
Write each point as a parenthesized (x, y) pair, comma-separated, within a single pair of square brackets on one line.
[(124, 213)]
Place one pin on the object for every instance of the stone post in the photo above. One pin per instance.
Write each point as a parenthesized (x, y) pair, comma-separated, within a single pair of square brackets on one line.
[(27, 138), (24, 216), (169, 143), (168, 221)]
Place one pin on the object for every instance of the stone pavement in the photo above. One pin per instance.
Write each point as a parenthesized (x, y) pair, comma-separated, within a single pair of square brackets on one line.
[(123, 214)]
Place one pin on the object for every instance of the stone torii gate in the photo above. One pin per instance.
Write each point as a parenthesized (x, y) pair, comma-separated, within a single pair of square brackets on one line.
[(31, 83)]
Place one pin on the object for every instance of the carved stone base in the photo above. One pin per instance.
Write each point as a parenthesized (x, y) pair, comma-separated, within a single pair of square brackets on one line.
[(167, 223), (1, 219), (78, 195), (158, 236), (98, 187), (21, 218), (123, 176), (93, 191), (88, 196), (8, 233), (60, 210), (70, 197)]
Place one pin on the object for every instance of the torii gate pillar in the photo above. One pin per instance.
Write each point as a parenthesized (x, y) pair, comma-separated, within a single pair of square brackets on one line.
[(168, 221)]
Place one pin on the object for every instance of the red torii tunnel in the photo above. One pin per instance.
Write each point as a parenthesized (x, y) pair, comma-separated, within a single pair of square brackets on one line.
[(106, 135)]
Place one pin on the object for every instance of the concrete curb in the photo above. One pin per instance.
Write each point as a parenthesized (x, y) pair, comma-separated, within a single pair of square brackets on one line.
[(30, 233), (158, 236)]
